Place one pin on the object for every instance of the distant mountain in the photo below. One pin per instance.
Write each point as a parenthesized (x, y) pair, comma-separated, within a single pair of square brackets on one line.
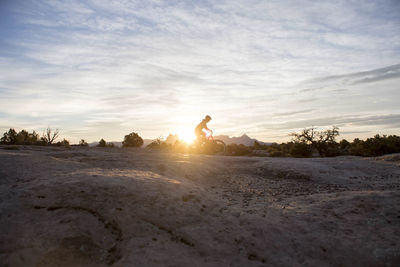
[(244, 139)]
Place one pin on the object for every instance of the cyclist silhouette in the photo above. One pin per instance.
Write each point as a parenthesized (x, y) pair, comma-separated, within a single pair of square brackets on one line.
[(200, 134)]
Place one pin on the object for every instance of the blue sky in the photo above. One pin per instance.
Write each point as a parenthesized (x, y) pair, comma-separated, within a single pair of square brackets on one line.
[(102, 69)]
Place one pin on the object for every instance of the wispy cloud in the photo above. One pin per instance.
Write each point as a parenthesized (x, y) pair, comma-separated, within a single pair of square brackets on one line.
[(284, 114), (381, 74), (389, 121)]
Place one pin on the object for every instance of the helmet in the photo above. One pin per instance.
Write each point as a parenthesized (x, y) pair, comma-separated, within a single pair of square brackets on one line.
[(208, 117)]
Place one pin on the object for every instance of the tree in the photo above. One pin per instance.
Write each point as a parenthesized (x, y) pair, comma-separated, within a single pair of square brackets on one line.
[(375, 146), (50, 136), (102, 143), (323, 141), (23, 137), (132, 140), (33, 138), (9, 138)]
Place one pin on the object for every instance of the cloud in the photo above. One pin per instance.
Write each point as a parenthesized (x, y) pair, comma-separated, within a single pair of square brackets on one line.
[(375, 75), (162, 64), (389, 121), (284, 114), (354, 132)]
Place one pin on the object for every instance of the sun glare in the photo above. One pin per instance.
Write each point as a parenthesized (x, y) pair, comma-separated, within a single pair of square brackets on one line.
[(186, 135)]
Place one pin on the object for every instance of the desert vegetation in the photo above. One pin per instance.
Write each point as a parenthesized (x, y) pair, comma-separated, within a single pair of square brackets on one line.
[(103, 143), (83, 143), (48, 138), (323, 143), (306, 143), (132, 140)]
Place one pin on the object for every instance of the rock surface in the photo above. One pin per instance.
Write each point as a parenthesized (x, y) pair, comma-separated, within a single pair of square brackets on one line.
[(134, 207)]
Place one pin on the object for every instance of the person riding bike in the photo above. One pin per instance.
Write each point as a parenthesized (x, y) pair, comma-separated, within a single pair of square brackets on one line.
[(200, 135)]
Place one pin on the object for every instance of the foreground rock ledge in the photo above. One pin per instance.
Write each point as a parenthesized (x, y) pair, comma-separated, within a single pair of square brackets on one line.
[(133, 207)]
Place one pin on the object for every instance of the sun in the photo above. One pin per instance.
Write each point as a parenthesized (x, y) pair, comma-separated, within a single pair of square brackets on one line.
[(186, 135)]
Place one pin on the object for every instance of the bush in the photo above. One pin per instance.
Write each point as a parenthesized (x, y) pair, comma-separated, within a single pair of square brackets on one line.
[(64, 143), (132, 140), (300, 150), (258, 146), (344, 147), (83, 143), (9, 138), (238, 150), (376, 146), (276, 153), (22, 138), (156, 144), (102, 143)]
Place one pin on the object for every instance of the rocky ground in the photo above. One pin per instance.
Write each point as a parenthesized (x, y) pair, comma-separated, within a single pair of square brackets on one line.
[(134, 207)]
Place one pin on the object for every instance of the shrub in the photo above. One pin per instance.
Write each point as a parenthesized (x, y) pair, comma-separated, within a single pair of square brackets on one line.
[(375, 146), (102, 143), (238, 150), (300, 150), (258, 146), (344, 147), (9, 138), (64, 143), (132, 140), (83, 143), (276, 153), (156, 144), (22, 138)]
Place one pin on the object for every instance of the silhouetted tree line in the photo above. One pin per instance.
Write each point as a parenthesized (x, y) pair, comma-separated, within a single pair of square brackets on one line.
[(309, 142), (323, 143), (11, 137), (49, 136), (130, 140)]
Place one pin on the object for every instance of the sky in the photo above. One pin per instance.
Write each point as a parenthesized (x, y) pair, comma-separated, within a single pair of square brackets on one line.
[(102, 69)]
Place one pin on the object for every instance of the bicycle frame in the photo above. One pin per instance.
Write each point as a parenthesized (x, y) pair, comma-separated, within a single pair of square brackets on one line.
[(209, 134)]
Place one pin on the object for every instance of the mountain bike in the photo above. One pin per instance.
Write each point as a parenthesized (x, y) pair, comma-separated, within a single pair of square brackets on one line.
[(209, 145)]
